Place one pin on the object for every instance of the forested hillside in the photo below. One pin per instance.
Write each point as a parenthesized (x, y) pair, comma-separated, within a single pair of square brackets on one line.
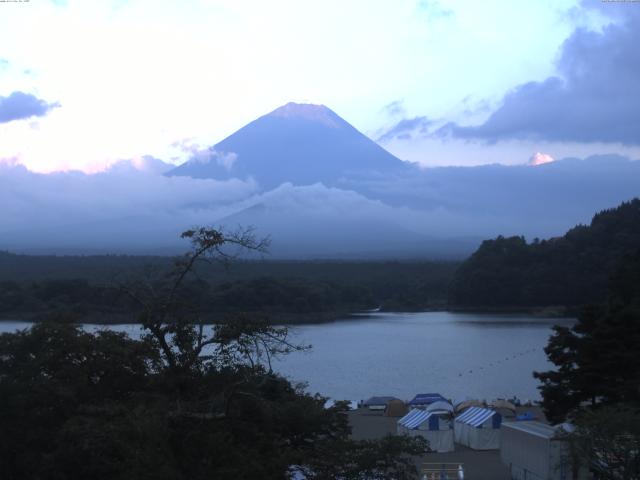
[(87, 289), (565, 271)]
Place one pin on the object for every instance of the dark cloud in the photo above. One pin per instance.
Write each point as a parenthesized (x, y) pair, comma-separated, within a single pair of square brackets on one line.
[(21, 105), (593, 99), (405, 127)]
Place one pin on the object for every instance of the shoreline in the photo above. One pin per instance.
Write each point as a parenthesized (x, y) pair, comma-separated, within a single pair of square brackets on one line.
[(311, 318)]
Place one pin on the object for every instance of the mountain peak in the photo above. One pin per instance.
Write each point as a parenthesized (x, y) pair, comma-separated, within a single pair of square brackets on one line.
[(299, 143), (307, 111)]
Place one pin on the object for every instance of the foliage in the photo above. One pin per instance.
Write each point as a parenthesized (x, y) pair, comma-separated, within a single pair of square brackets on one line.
[(597, 359), (289, 290), (571, 270), (608, 440), (184, 402)]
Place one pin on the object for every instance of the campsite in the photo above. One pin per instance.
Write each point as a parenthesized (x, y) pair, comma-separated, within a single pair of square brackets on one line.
[(495, 440)]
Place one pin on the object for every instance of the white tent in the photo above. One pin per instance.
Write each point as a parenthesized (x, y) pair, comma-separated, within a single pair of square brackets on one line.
[(478, 428), (435, 428), (440, 406), (533, 450)]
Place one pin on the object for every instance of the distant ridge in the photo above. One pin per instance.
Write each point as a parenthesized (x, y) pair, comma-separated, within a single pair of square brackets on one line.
[(564, 271), (298, 143)]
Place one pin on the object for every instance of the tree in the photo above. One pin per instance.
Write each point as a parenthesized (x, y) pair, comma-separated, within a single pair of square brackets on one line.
[(570, 271), (597, 361), (608, 440), (186, 401)]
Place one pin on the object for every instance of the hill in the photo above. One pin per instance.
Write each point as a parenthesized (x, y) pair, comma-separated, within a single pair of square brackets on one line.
[(570, 270)]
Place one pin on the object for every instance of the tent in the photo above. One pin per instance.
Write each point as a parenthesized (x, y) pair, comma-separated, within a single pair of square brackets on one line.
[(506, 404), (440, 406), (378, 403), (435, 428), (396, 408), (460, 407), (533, 450), (478, 428), (504, 408), (423, 399)]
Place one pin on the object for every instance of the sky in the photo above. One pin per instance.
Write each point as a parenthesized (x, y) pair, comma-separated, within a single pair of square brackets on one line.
[(86, 83)]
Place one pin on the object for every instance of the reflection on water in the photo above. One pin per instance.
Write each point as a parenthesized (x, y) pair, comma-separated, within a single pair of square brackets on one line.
[(457, 354)]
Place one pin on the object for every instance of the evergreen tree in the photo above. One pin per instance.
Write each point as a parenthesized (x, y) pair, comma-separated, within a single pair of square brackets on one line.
[(597, 359)]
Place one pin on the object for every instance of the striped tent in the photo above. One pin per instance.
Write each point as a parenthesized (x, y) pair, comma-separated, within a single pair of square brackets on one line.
[(435, 428), (478, 428)]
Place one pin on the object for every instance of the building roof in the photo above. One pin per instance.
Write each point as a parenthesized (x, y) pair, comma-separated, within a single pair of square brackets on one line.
[(534, 428), (475, 416)]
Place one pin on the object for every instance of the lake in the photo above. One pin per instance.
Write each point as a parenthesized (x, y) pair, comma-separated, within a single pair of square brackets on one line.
[(456, 354)]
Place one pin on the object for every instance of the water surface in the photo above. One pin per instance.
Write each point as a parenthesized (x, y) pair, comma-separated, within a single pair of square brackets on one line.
[(457, 354)]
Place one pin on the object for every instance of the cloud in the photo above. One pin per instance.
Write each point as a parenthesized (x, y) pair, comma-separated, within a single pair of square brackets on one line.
[(19, 105), (120, 207), (594, 97), (405, 128), (394, 108), (540, 159), (199, 154), (145, 163), (128, 210)]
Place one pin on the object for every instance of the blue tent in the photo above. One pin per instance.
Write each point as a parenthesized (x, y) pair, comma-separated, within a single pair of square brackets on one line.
[(423, 399)]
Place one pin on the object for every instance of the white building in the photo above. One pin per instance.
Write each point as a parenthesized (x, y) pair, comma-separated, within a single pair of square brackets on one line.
[(533, 451)]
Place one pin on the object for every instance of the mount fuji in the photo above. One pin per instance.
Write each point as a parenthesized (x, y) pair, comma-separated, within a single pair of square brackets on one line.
[(298, 143)]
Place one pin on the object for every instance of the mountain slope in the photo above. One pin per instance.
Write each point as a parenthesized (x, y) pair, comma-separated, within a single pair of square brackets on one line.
[(297, 143), (569, 270), (314, 221)]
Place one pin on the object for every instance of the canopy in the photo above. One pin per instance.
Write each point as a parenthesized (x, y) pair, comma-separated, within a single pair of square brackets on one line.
[(503, 404), (468, 403), (478, 428), (426, 399), (440, 406), (416, 417), (429, 425), (476, 416)]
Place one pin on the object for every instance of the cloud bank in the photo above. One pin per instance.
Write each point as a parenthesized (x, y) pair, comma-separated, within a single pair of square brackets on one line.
[(438, 212), (594, 97)]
